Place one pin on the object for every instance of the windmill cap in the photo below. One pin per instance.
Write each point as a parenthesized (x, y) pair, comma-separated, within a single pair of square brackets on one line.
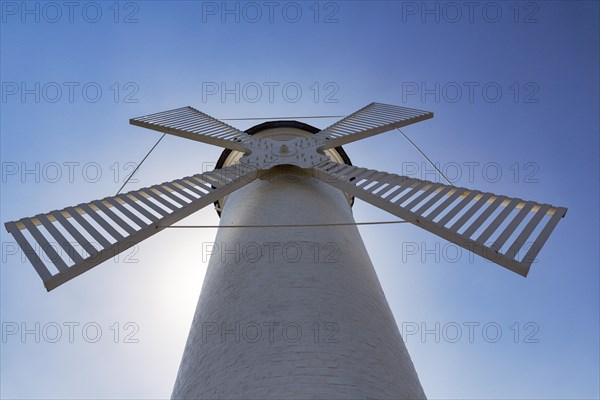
[(270, 125)]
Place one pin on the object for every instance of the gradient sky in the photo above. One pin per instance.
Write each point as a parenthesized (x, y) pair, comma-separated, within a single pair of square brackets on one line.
[(538, 139)]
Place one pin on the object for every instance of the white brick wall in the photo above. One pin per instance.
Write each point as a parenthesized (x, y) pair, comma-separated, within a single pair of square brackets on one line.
[(365, 357)]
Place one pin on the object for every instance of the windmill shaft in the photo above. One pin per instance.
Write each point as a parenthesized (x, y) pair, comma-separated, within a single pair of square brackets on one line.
[(293, 312)]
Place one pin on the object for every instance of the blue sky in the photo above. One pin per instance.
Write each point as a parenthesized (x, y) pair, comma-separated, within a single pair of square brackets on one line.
[(515, 91)]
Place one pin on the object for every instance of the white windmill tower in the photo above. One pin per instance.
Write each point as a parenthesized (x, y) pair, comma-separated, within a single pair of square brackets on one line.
[(278, 317)]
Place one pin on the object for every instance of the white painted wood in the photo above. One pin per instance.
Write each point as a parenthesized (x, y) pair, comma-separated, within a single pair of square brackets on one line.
[(29, 252), (77, 235), (109, 222), (371, 120), (471, 201), (43, 243), (59, 238), (190, 123)]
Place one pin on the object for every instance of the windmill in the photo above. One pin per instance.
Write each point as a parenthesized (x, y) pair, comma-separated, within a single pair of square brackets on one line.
[(277, 325)]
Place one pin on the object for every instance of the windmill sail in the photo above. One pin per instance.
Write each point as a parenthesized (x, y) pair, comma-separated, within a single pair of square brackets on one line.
[(104, 228), (495, 227), (189, 123), (468, 218), (371, 120)]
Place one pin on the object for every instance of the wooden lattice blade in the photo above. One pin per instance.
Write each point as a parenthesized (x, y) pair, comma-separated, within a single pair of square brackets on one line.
[(189, 123), (75, 239), (371, 120), (508, 232)]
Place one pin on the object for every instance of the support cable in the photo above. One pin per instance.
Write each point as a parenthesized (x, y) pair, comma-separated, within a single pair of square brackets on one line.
[(427, 158), (290, 117), (280, 225), (140, 163), (295, 117)]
